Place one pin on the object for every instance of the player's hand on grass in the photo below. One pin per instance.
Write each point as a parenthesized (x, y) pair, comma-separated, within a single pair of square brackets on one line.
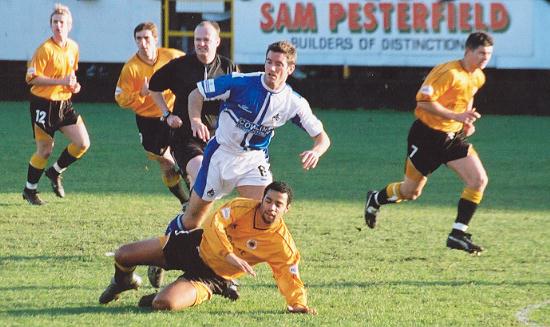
[(301, 309), (200, 130), (309, 159), (240, 263)]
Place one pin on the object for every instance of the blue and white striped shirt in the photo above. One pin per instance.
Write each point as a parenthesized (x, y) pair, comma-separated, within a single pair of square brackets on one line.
[(251, 110)]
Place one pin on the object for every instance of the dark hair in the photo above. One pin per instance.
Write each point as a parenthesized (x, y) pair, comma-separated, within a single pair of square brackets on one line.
[(280, 187), (478, 39), (147, 26), (286, 48)]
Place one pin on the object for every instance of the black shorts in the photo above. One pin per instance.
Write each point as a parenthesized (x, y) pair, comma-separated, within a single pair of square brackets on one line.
[(181, 253), (429, 148), (185, 148), (51, 115), (153, 134)]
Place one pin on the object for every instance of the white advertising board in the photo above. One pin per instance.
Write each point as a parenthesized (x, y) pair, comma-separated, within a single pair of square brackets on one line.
[(393, 33)]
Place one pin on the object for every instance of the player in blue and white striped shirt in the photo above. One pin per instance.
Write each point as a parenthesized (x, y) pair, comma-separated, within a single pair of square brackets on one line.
[(254, 105)]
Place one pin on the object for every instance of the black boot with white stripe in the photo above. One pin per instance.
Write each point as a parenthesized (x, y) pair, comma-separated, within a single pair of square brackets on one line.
[(459, 240)]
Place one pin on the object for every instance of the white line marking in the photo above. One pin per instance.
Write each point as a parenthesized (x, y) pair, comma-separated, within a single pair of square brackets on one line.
[(109, 254), (523, 314)]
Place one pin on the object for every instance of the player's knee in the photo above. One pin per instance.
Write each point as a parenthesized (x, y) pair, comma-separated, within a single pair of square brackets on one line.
[(414, 196), (161, 303), (123, 255), (44, 152), (84, 145), (479, 183), (484, 180)]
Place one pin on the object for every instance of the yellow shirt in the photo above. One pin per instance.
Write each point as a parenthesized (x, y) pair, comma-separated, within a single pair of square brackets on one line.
[(454, 88), (53, 61), (234, 228), (132, 76)]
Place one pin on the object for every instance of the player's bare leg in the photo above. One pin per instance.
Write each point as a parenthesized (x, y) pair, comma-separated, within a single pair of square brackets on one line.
[(146, 252), (156, 274), (409, 189), (127, 257), (77, 134), (251, 191), (80, 143), (37, 164), (171, 177), (178, 295), (196, 211), (470, 169), (193, 167), (44, 147)]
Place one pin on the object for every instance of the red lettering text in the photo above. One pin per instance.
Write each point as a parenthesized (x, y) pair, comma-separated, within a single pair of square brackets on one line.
[(403, 17), (500, 19), (420, 15), (337, 14)]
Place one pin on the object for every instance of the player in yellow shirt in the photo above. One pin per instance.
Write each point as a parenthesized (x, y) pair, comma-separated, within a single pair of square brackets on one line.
[(239, 235), (445, 118), (132, 91), (51, 72)]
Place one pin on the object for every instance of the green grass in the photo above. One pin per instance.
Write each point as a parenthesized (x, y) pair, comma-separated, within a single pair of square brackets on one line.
[(53, 265)]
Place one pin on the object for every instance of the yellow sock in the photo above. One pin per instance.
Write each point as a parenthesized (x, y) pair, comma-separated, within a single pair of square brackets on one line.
[(472, 195), (394, 192)]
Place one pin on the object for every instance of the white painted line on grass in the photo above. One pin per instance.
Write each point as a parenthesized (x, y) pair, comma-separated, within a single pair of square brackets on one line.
[(523, 314), (109, 254)]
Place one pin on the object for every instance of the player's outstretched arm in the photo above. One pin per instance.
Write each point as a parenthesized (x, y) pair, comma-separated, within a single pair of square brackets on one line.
[(469, 116), (240, 263), (194, 106)]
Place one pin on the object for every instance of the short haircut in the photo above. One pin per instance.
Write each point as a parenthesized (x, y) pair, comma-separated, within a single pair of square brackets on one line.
[(280, 187), (60, 9), (212, 23), (286, 48), (147, 26), (478, 39)]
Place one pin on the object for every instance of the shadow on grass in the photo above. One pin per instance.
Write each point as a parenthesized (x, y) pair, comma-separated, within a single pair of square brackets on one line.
[(419, 283), (2, 204), (63, 258), (35, 287), (126, 309), (74, 311)]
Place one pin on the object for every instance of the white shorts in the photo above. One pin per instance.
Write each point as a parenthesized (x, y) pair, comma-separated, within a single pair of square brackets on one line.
[(222, 170)]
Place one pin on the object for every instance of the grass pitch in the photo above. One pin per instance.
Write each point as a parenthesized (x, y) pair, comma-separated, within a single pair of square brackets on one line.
[(53, 265)]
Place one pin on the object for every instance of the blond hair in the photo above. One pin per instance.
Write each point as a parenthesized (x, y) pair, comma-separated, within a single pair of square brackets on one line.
[(60, 9)]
